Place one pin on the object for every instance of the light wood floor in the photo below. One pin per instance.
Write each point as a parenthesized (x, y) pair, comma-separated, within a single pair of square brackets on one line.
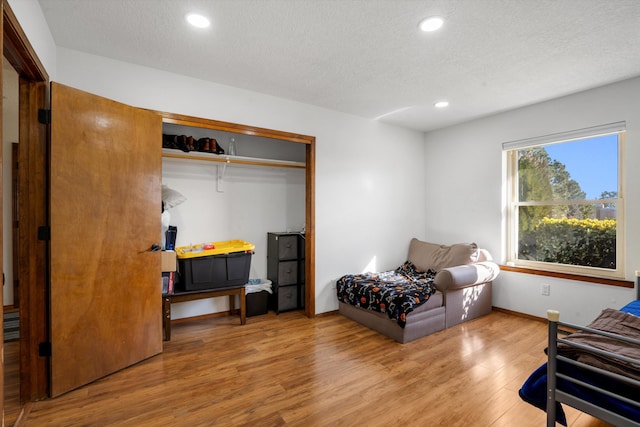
[(328, 371)]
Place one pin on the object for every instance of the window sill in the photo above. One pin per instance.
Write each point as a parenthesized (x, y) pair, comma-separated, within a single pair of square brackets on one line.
[(599, 280)]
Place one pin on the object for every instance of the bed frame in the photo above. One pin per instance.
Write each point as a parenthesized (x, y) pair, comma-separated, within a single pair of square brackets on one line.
[(558, 396)]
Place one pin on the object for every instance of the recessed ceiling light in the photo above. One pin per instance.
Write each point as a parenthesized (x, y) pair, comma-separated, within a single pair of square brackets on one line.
[(198, 20), (432, 23), (441, 104)]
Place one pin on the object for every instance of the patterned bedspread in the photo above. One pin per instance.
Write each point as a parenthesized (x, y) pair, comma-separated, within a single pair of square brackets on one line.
[(396, 292)]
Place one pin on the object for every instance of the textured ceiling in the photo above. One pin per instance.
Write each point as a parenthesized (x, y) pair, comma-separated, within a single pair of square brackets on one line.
[(367, 57)]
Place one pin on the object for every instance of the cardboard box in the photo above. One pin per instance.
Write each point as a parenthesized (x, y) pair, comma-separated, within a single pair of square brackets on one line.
[(168, 261)]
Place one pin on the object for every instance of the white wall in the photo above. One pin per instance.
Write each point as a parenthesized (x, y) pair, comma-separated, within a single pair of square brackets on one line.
[(31, 18), (368, 175), (464, 189), (357, 160), (448, 192)]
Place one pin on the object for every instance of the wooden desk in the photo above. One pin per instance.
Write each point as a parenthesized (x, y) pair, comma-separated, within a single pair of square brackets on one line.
[(168, 299)]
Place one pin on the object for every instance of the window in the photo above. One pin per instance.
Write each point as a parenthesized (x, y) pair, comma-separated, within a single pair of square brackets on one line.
[(565, 210)]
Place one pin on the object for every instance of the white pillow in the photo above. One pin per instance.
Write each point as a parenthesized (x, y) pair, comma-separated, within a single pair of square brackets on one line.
[(171, 198)]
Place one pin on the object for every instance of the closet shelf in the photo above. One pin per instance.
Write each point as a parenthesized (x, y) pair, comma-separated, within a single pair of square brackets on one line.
[(223, 158)]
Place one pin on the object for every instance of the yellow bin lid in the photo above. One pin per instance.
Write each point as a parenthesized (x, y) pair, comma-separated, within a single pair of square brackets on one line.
[(214, 248)]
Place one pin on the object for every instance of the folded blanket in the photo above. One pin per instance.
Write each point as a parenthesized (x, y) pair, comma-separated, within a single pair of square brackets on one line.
[(616, 322)]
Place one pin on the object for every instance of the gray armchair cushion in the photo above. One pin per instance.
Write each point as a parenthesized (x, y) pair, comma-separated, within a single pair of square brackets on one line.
[(463, 276), (458, 266), (425, 255)]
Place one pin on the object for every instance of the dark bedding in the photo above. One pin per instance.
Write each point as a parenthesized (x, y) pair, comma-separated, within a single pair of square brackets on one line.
[(396, 292), (633, 307), (534, 390)]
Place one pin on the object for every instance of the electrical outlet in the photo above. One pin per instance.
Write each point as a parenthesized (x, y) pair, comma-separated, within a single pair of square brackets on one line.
[(545, 289)]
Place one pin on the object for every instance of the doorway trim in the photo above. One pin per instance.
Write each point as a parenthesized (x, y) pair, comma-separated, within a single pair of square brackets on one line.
[(32, 175)]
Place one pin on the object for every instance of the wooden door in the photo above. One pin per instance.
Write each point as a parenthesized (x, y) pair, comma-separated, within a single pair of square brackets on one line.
[(105, 205)]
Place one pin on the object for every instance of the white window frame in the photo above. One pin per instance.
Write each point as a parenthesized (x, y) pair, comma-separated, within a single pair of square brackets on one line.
[(510, 150)]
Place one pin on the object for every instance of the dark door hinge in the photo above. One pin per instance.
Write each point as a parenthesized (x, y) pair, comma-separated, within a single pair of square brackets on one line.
[(44, 233), (44, 349), (44, 116)]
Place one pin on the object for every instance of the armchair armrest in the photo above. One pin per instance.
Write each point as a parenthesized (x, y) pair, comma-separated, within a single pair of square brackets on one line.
[(462, 276)]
